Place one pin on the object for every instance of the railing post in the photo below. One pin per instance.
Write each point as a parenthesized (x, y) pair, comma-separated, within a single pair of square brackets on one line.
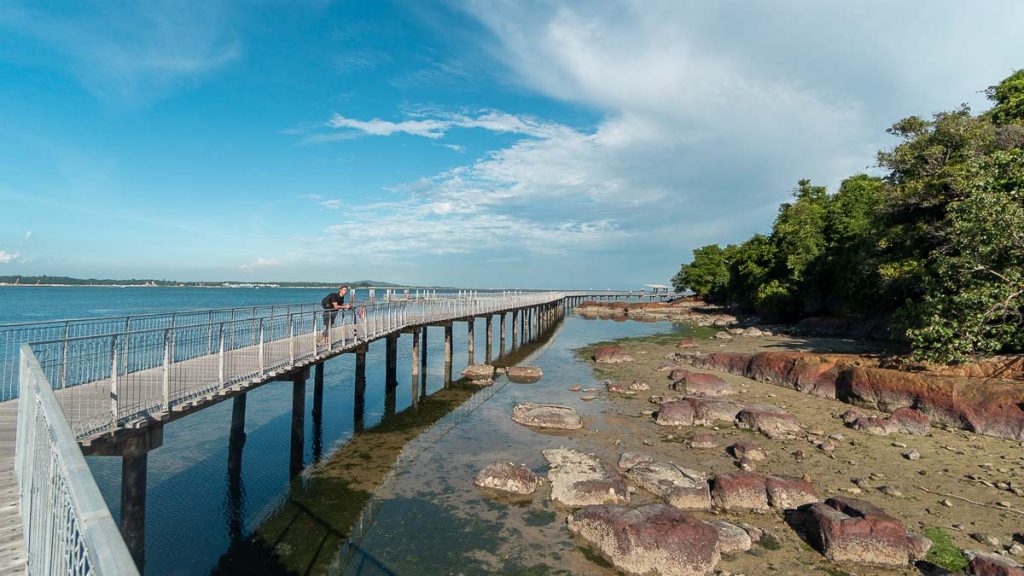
[(64, 359), (263, 367), (220, 356), (113, 383), (167, 371), (291, 338)]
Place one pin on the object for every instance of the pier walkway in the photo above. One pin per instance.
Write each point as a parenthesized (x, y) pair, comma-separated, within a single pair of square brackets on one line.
[(107, 386)]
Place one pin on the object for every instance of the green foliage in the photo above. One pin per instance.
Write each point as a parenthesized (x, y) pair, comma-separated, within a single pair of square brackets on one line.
[(706, 275), (1008, 97), (938, 243), (944, 552)]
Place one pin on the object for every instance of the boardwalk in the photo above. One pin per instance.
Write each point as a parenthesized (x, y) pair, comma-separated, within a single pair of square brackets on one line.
[(12, 545)]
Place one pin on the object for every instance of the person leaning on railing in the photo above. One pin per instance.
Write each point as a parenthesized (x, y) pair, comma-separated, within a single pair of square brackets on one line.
[(331, 304)]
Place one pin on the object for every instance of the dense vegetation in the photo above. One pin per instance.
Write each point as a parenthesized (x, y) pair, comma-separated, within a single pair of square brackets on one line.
[(937, 244)]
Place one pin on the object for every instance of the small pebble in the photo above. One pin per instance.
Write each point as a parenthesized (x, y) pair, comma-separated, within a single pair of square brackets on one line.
[(1003, 504), (890, 491), (912, 455), (986, 539), (947, 503), (899, 445)]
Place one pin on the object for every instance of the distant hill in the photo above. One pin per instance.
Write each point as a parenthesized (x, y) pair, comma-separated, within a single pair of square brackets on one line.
[(69, 281)]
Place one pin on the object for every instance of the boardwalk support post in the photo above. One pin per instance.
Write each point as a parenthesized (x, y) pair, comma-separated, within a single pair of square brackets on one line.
[(298, 422)]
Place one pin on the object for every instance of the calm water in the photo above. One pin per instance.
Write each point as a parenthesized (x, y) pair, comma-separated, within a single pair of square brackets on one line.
[(402, 470)]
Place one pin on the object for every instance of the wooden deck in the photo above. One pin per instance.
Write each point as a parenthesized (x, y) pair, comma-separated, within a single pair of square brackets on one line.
[(12, 545)]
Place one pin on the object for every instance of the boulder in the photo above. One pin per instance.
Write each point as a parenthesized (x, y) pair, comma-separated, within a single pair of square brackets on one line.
[(711, 410), (546, 416), (732, 538), (508, 478), (686, 343), (753, 331), (772, 424), (703, 385), (652, 539), (723, 335), (852, 415), (739, 491), (702, 441), (851, 530), (746, 450), (676, 413), (478, 372), (579, 479), (629, 459), (919, 546), (678, 374), (786, 492), (874, 426), (982, 564), (524, 374), (681, 487), (611, 355)]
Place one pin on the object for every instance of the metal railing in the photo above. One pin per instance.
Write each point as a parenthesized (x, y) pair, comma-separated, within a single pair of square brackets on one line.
[(12, 336), (67, 526), (106, 381)]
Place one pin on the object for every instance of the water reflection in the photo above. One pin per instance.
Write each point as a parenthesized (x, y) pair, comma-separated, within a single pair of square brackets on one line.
[(331, 506)]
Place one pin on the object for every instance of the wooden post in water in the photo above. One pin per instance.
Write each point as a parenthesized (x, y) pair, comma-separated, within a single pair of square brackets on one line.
[(361, 362), (423, 352), (359, 404), (501, 335), (415, 365), (391, 362), (515, 328), (318, 411), (470, 347), (447, 353), (489, 325), (134, 452), (298, 422)]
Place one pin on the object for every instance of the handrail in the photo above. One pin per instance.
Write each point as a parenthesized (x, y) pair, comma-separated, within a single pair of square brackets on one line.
[(68, 528)]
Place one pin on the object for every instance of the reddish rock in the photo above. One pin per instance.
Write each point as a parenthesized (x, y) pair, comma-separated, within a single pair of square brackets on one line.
[(852, 415), (874, 426), (731, 362), (704, 440), (739, 491), (546, 416), (611, 355), (749, 451), (850, 530), (771, 424), (524, 374), (703, 385), (984, 405), (579, 479), (785, 492), (653, 539), (711, 410), (615, 387), (678, 374), (910, 421), (676, 413), (686, 342), (982, 564)]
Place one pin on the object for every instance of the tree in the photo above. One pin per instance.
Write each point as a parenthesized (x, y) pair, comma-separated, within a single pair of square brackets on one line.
[(1008, 97), (707, 275), (974, 305)]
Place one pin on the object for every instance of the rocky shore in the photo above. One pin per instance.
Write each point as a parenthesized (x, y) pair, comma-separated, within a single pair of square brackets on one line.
[(747, 451)]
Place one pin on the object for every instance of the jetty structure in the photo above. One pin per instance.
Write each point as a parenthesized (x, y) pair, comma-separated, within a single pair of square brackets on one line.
[(107, 386)]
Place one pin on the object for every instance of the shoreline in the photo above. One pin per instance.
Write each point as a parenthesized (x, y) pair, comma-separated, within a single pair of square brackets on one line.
[(839, 460)]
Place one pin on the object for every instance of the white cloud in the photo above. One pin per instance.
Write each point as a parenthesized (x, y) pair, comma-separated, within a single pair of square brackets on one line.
[(8, 257), (708, 114), (135, 50)]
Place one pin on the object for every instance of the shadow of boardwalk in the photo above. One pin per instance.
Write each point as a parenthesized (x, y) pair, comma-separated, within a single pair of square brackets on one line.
[(319, 528)]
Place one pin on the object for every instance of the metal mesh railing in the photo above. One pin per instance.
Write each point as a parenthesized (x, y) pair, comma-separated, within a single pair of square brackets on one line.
[(107, 380), (67, 526)]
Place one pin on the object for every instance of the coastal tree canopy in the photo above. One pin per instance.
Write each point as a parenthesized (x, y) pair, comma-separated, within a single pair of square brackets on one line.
[(937, 244)]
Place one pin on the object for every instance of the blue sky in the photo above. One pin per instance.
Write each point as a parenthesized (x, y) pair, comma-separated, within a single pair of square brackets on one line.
[(536, 144)]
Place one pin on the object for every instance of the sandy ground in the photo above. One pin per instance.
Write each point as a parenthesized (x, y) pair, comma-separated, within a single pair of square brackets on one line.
[(952, 462)]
